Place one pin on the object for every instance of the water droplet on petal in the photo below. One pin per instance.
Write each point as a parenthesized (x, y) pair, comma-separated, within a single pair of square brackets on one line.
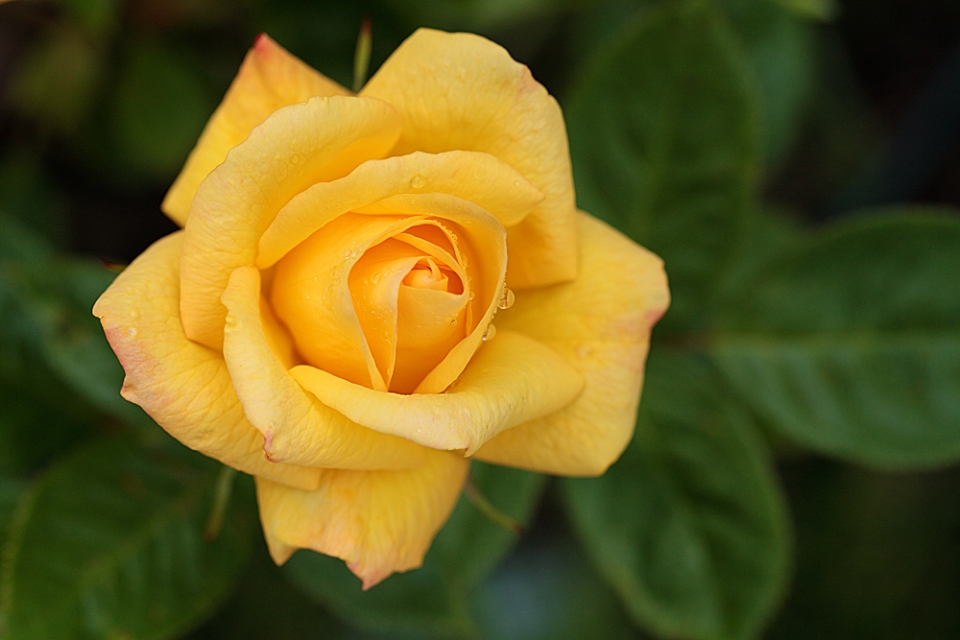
[(417, 182), (507, 299), (490, 333), (134, 314), (375, 278), (132, 332)]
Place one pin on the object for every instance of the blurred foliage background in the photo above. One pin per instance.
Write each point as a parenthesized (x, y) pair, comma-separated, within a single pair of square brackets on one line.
[(797, 164)]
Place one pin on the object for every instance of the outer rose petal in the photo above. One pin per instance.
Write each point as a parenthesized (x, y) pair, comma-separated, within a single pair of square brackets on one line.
[(476, 177), (296, 426), (269, 78), (379, 522), (601, 324), (461, 91), (185, 387), (510, 380), (297, 146)]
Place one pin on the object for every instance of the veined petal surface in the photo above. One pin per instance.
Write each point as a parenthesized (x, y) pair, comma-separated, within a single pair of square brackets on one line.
[(182, 385), (379, 522), (600, 324), (461, 91), (269, 78)]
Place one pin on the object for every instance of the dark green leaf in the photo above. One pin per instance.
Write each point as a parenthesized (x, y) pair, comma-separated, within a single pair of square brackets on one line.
[(40, 417), (851, 343), (418, 601), (45, 309), (688, 526), (547, 590), (663, 136), (267, 607), (779, 49), (469, 546), (108, 544)]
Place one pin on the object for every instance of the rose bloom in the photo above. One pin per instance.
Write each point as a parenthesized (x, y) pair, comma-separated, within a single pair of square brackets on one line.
[(371, 290)]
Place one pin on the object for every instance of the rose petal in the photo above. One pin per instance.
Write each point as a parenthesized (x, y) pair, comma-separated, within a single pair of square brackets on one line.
[(510, 380), (476, 177), (269, 78), (461, 91), (184, 386), (297, 428), (484, 252), (297, 146), (379, 522), (601, 325)]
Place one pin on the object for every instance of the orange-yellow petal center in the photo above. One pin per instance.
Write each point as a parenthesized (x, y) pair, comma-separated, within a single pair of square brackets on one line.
[(377, 300)]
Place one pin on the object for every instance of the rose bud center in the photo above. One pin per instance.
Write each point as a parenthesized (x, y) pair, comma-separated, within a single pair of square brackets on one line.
[(377, 300)]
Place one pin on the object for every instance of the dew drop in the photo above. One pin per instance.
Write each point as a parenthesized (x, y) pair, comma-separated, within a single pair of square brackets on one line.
[(490, 333), (134, 314), (507, 299), (375, 278), (294, 159), (132, 332), (417, 182)]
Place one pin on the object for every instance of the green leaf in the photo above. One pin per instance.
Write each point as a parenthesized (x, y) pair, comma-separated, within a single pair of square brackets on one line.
[(45, 304), (780, 49), (432, 599), (689, 526), (266, 606), (419, 601), (41, 416), (548, 590), (108, 544), (10, 492), (851, 343), (663, 136), (469, 546)]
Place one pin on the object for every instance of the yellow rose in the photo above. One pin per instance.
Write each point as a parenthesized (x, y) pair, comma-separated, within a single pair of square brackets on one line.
[(324, 319)]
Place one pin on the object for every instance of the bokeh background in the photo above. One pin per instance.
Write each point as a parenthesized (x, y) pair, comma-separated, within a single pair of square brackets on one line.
[(859, 106)]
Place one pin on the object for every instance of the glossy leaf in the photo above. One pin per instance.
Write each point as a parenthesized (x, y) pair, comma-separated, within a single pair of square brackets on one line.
[(548, 590), (779, 48), (663, 136), (109, 544), (689, 526), (850, 344), (45, 303), (469, 546)]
